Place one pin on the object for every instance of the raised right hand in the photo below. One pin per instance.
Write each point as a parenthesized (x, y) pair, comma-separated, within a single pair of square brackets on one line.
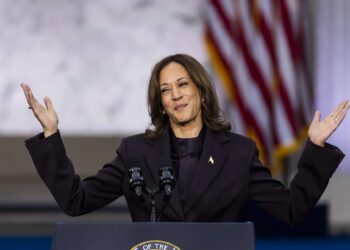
[(46, 115)]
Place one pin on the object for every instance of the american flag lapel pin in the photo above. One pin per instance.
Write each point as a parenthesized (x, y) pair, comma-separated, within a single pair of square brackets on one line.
[(211, 160)]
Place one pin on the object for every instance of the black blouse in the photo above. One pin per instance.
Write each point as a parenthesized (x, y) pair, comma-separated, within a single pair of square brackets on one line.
[(185, 155)]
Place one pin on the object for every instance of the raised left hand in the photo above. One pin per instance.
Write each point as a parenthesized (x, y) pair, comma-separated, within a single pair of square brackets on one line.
[(320, 131)]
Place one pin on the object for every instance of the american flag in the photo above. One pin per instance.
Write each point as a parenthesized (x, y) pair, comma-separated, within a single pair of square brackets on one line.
[(257, 51)]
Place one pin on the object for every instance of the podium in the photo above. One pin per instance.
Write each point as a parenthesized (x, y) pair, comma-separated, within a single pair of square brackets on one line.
[(154, 236)]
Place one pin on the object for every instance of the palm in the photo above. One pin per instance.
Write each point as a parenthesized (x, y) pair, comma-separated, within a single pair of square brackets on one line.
[(320, 131), (46, 115)]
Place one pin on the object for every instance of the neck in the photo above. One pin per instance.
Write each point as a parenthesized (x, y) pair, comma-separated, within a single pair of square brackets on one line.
[(186, 131)]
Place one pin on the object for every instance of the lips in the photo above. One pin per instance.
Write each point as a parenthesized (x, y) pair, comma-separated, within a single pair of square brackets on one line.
[(180, 107)]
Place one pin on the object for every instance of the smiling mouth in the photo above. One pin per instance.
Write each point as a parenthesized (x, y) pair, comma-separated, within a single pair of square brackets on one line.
[(180, 107)]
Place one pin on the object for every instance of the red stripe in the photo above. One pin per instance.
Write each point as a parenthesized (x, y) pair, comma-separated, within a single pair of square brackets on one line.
[(287, 106), (285, 18), (223, 18), (306, 71)]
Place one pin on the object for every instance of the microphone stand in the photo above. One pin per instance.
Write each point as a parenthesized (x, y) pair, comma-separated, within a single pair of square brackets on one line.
[(166, 183), (153, 204)]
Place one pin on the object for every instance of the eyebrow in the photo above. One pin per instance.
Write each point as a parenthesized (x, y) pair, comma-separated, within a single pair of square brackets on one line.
[(165, 83)]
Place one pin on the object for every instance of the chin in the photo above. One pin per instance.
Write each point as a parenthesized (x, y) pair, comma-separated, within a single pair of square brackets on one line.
[(183, 121)]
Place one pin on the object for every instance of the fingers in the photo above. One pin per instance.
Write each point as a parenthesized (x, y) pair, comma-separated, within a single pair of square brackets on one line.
[(31, 100), (334, 113), (342, 112), (26, 90), (347, 106)]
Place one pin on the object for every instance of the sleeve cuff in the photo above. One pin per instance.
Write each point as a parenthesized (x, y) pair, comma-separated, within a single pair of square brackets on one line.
[(40, 138), (40, 144), (323, 160)]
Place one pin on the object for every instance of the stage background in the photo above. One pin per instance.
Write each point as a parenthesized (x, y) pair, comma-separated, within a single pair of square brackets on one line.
[(93, 58)]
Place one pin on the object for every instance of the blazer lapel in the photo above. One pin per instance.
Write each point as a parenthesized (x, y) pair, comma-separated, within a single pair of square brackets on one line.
[(211, 161), (160, 149)]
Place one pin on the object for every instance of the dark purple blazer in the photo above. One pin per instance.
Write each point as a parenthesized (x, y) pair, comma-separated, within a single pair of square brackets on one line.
[(218, 191)]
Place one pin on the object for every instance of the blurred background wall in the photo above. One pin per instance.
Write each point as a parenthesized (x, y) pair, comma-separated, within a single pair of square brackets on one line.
[(93, 58)]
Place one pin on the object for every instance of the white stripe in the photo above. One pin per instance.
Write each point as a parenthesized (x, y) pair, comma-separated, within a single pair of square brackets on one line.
[(266, 9), (247, 21), (230, 109), (283, 128), (294, 10), (304, 95), (236, 119), (228, 7), (286, 65), (219, 32)]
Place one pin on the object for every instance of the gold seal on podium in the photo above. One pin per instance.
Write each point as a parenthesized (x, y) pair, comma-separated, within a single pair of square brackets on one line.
[(155, 245)]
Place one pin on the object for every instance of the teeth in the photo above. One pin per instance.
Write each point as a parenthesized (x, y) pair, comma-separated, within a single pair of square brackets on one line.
[(180, 107)]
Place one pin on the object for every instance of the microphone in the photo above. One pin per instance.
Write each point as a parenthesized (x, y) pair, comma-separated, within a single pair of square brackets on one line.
[(166, 176), (137, 183)]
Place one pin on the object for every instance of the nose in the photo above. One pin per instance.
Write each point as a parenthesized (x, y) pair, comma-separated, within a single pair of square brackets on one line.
[(176, 94)]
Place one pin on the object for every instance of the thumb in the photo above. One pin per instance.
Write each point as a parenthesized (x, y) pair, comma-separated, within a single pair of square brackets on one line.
[(48, 103), (317, 116)]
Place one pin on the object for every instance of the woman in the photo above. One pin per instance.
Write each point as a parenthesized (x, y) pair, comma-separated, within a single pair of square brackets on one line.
[(216, 171)]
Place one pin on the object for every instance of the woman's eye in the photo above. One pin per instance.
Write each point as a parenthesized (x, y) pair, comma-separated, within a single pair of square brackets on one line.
[(163, 90), (183, 84)]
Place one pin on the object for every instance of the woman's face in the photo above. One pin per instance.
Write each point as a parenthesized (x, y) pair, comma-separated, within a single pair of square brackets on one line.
[(180, 96)]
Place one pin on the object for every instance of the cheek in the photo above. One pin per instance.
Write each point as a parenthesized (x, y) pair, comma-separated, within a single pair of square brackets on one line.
[(197, 100), (165, 102), (198, 104)]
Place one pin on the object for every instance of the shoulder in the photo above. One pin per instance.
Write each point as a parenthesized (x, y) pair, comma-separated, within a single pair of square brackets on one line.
[(132, 146), (137, 139), (238, 138), (239, 144)]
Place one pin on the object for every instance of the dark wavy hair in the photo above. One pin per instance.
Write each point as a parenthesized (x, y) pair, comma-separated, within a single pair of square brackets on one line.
[(211, 114)]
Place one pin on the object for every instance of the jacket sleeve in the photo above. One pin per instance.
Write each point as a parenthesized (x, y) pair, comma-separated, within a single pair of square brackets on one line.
[(315, 167), (73, 195)]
